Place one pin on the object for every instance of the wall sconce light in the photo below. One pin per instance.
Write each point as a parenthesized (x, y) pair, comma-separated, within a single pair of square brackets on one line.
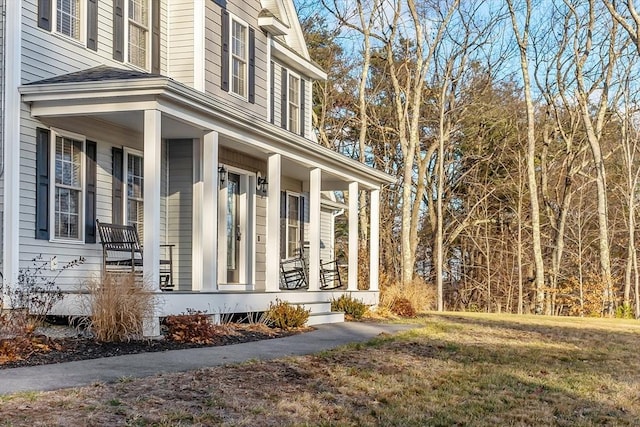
[(261, 184), (222, 176)]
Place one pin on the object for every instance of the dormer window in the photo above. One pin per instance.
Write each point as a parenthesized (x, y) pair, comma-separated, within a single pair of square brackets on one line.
[(238, 58), (68, 18)]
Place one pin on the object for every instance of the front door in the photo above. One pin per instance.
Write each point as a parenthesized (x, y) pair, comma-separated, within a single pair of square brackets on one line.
[(234, 231)]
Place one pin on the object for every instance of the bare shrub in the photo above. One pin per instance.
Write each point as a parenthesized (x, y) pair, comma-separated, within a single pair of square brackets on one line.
[(192, 327), (403, 308), (118, 305), (418, 293)]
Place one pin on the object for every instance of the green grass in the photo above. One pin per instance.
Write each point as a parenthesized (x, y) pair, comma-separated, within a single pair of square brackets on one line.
[(452, 369)]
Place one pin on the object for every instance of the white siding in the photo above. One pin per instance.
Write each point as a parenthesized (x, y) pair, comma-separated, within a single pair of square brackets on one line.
[(181, 49)]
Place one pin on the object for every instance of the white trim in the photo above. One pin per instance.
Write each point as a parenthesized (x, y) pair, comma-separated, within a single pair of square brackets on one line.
[(197, 231), (272, 273), (286, 217), (210, 205), (297, 62), (198, 44), (246, 205), (315, 185), (52, 185), (270, 70), (374, 240), (353, 237), (233, 18)]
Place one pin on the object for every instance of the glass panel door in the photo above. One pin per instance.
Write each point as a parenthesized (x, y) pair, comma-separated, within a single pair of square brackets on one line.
[(233, 228)]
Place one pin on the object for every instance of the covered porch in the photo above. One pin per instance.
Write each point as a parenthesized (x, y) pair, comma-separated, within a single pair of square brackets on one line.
[(234, 193)]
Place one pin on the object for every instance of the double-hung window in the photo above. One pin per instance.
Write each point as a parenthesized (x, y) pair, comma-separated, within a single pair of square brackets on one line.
[(68, 20), (293, 224), (135, 195), (294, 103), (138, 29), (68, 194), (239, 36)]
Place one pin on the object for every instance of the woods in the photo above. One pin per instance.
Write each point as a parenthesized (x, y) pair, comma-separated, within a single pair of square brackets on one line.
[(513, 130)]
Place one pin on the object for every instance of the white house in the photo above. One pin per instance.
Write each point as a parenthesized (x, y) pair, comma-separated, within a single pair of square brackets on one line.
[(188, 118)]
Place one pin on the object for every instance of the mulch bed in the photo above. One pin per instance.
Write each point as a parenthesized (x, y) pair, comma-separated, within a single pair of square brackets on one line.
[(59, 350)]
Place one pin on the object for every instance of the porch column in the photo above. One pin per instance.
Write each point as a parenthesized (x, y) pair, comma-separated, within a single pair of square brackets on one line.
[(315, 181), (272, 276), (210, 213), (374, 239), (151, 238), (11, 143), (353, 237)]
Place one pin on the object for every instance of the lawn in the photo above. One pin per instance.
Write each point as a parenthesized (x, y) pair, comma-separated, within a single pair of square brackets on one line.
[(452, 369)]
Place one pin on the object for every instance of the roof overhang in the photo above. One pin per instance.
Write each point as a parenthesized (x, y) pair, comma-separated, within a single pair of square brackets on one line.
[(295, 61), (199, 111), (272, 25)]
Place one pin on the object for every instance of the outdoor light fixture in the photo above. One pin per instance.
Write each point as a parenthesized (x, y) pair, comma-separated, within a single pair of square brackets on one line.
[(222, 175), (261, 184)]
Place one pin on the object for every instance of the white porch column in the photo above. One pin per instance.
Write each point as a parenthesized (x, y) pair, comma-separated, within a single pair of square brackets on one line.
[(11, 142), (210, 212), (273, 224), (151, 238), (315, 181), (374, 239), (353, 237), (197, 231)]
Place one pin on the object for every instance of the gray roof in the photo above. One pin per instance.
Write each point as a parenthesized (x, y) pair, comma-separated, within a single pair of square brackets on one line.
[(96, 74)]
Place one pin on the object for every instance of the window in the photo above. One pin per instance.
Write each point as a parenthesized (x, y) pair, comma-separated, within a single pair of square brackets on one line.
[(238, 58), (68, 198), (294, 103), (68, 18), (138, 32), (135, 193), (293, 224)]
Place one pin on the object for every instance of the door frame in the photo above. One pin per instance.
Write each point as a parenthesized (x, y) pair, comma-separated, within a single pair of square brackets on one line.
[(247, 222)]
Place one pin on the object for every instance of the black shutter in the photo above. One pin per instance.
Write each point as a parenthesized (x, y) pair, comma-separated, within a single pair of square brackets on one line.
[(92, 24), (301, 222), (90, 201), (118, 30), (252, 65), (116, 185), (283, 225), (42, 183), (44, 14), (272, 76), (302, 105), (224, 59), (155, 36), (283, 97)]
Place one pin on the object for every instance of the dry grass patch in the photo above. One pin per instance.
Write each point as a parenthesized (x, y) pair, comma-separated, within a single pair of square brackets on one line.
[(453, 369)]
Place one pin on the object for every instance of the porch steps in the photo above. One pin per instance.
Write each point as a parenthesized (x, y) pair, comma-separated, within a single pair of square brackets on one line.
[(320, 313)]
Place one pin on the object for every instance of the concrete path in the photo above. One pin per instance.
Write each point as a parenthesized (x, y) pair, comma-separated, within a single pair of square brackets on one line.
[(85, 372)]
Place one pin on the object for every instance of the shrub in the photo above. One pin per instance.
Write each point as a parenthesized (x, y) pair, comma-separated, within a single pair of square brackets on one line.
[(31, 299), (350, 306), (118, 306), (193, 327), (283, 315), (420, 294), (624, 311), (403, 308)]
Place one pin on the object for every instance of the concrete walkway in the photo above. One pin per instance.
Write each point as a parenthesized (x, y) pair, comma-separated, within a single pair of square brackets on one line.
[(85, 372)]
